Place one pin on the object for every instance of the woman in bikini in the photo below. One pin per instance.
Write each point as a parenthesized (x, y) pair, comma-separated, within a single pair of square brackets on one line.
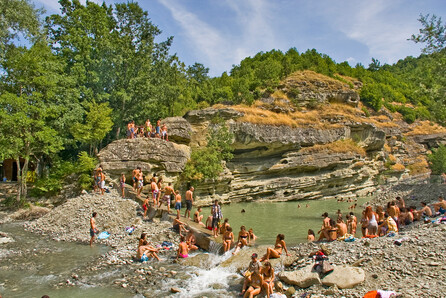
[(364, 224), (243, 239), (267, 272), (256, 285), (276, 252), (228, 239)]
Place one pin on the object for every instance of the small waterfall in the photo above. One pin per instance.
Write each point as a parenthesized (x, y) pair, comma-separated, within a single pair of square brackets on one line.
[(214, 247)]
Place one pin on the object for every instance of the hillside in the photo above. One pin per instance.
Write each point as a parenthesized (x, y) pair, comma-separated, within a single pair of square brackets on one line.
[(319, 142)]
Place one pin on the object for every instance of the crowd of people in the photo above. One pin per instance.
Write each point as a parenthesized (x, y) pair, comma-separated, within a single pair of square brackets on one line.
[(384, 220), (147, 130)]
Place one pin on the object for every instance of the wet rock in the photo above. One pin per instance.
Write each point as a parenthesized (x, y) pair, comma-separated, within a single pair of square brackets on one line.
[(290, 291)]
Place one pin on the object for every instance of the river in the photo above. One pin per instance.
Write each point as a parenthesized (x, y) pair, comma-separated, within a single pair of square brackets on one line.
[(35, 265)]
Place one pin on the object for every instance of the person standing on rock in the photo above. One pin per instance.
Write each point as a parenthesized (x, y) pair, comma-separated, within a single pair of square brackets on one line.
[(189, 201), (154, 189), (122, 184), (140, 182), (168, 192), (216, 217), (93, 229), (164, 135), (102, 183), (325, 227), (135, 177), (178, 203)]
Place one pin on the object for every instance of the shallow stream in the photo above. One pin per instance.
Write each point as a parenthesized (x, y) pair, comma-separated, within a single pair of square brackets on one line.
[(35, 265)]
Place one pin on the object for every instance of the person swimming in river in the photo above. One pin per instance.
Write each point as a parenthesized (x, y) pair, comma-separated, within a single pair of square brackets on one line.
[(183, 249), (311, 237), (276, 252), (228, 239), (198, 218), (243, 239)]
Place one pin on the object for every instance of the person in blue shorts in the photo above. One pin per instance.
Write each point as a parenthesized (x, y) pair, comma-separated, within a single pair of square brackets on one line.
[(178, 202)]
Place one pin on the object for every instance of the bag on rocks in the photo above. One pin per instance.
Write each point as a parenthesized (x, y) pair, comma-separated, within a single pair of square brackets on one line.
[(323, 267)]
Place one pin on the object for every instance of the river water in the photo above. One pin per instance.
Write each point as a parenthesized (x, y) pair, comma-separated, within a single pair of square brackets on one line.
[(35, 265), (293, 219)]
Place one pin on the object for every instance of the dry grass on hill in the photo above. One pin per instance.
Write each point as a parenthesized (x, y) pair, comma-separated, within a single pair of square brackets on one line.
[(310, 77), (317, 118), (340, 146), (425, 128)]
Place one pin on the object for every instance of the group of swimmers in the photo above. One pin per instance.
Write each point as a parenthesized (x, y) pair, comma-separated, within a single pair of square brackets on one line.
[(379, 222), (147, 130)]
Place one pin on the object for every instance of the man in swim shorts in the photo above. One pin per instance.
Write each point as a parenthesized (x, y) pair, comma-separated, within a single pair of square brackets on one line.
[(168, 191), (440, 206), (189, 202), (216, 217), (93, 229), (154, 189), (178, 203)]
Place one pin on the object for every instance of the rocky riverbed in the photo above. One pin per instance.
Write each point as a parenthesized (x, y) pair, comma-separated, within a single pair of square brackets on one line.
[(416, 268)]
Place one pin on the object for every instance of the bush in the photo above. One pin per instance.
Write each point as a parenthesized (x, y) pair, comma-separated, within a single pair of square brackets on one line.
[(437, 160)]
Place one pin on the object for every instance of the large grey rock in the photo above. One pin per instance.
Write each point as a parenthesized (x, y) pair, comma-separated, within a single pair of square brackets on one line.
[(302, 278), (344, 277), (178, 129), (209, 114), (152, 155)]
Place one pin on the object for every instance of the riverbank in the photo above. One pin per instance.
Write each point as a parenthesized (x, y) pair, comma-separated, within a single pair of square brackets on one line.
[(414, 268)]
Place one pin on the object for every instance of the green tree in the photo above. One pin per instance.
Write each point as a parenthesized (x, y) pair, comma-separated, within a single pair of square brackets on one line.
[(437, 160), (96, 125), (30, 80), (432, 33)]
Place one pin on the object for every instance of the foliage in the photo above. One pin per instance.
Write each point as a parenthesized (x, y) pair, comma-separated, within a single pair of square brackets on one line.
[(206, 162), (433, 33), (437, 160)]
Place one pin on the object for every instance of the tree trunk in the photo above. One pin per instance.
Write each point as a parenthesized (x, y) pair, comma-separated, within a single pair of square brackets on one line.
[(19, 179), (24, 185)]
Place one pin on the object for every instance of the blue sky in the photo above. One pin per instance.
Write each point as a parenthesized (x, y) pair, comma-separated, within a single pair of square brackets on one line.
[(220, 33)]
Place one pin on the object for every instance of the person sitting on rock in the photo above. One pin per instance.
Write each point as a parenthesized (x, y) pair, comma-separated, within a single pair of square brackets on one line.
[(276, 252), (179, 226), (243, 239), (191, 240), (440, 207), (425, 211), (145, 251), (198, 218), (255, 286), (393, 210), (183, 249), (254, 265), (389, 225), (267, 272), (228, 239), (400, 202), (406, 217), (341, 228)]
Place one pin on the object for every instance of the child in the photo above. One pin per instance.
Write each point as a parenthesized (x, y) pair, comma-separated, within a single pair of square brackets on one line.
[(145, 206), (164, 135), (122, 184)]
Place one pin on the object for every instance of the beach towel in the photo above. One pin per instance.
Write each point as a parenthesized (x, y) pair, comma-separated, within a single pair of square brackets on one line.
[(103, 235)]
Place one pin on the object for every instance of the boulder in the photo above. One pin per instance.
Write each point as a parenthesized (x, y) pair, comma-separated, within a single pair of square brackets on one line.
[(200, 261), (178, 129), (302, 278), (152, 155), (197, 116), (344, 277), (241, 260)]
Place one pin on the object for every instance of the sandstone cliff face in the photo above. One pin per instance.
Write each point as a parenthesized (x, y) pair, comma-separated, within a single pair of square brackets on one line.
[(286, 162)]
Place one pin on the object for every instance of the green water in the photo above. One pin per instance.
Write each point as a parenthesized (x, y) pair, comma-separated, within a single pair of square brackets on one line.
[(268, 219), (34, 266)]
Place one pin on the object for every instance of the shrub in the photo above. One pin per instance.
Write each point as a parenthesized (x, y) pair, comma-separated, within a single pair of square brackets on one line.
[(437, 160)]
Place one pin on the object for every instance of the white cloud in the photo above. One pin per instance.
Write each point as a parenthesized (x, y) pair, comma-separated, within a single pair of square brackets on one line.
[(54, 5), (351, 61), (221, 50), (381, 25)]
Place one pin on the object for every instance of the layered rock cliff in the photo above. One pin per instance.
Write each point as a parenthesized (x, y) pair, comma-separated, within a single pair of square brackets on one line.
[(284, 151)]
